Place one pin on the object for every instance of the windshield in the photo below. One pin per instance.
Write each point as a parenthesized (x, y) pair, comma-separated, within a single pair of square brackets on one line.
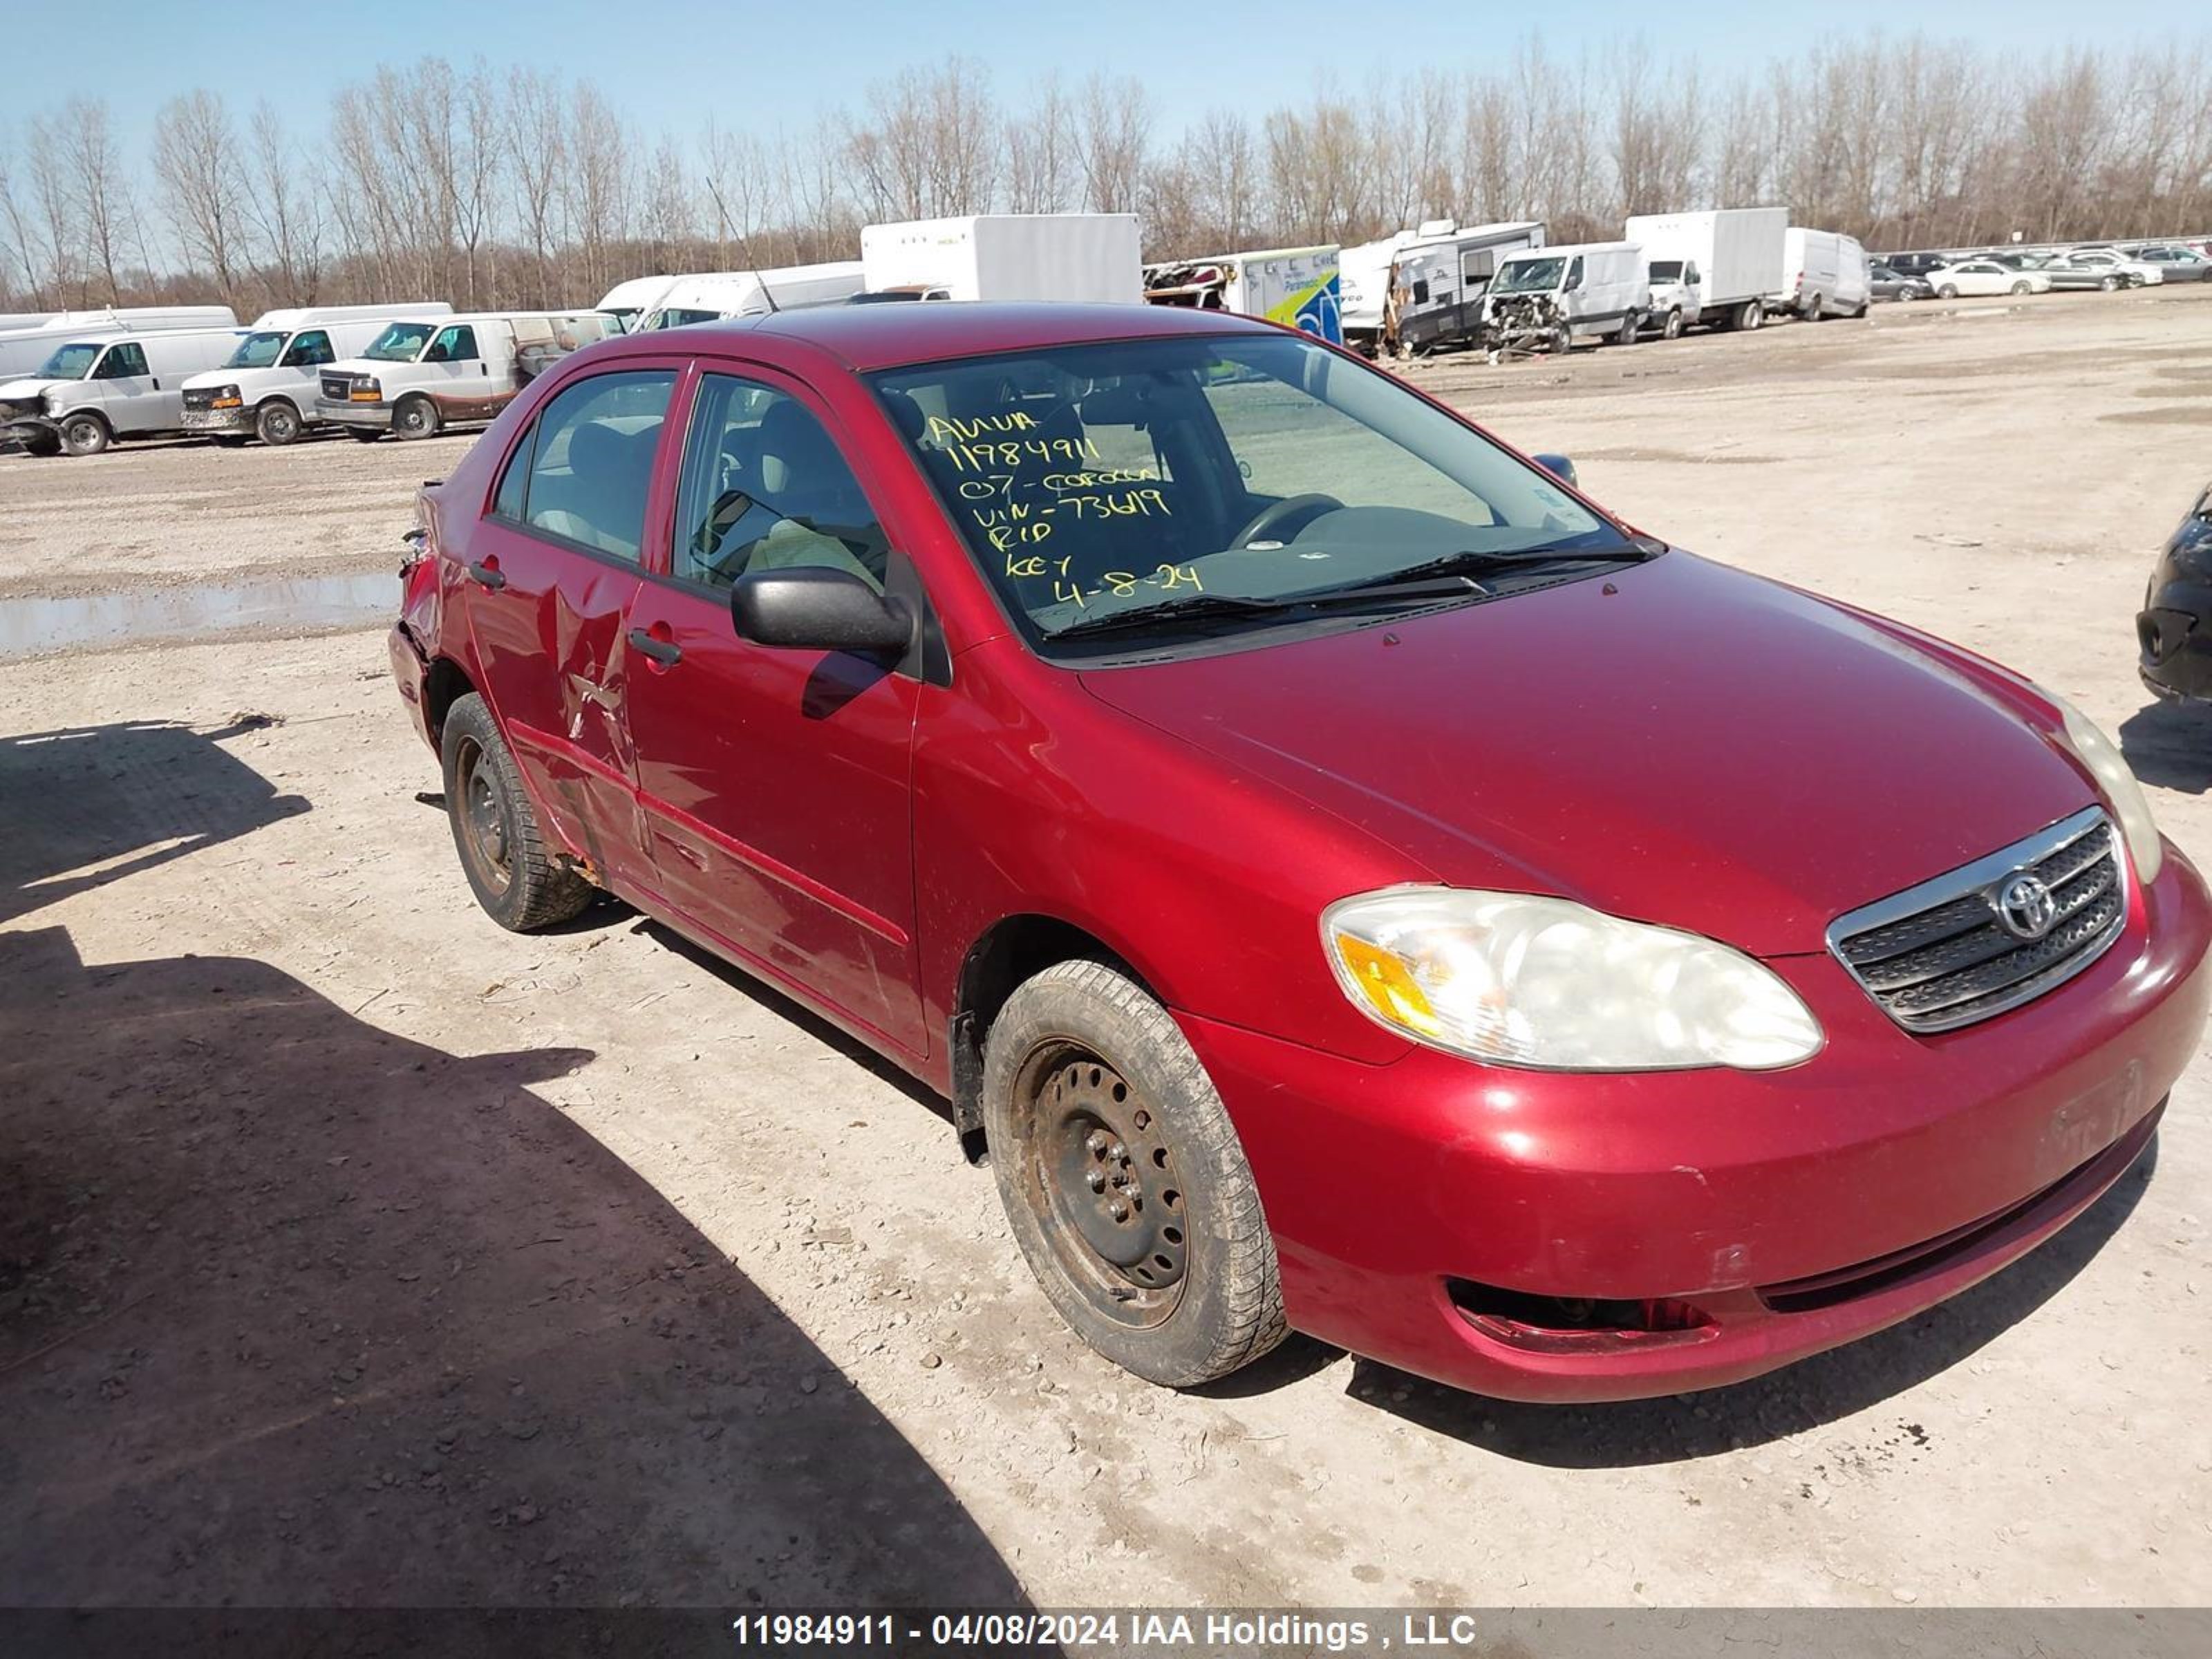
[(70, 362), (1092, 480), (402, 343), (681, 317), (1529, 277), (257, 350), (1666, 270)]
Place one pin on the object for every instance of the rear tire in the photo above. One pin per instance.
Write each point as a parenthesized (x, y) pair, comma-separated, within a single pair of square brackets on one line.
[(2109, 285), (277, 423), (1626, 334), (1750, 315), (417, 416), (495, 830), (1948, 291), (2023, 287), (85, 435), (1123, 1180)]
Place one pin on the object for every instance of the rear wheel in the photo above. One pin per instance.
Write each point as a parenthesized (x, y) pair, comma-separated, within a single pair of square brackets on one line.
[(2109, 285), (496, 829), (85, 435), (1626, 334), (1123, 1180), (1750, 314), (416, 417), (2022, 286), (277, 422), (1948, 291)]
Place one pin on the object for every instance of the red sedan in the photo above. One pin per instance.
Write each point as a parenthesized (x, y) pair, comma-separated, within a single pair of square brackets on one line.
[(1346, 879)]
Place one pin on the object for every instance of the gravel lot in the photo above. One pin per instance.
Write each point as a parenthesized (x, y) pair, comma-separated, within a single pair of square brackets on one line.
[(355, 1251)]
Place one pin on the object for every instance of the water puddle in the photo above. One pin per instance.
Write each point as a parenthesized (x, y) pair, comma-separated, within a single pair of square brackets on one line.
[(30, 626)]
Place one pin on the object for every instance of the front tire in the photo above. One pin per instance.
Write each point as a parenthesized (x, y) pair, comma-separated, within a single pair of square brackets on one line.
[(85, 435), (416, 417), (1123, 1180), (1948, 291), (2109, 285), (1671, 328), (277, 423), (2023, 287), (495, 830)]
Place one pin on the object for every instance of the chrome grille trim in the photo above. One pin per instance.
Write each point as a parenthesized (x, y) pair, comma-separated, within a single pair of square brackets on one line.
[(1936, 956)]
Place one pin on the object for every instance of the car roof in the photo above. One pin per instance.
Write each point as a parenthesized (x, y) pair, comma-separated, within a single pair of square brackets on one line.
[(869, 337)]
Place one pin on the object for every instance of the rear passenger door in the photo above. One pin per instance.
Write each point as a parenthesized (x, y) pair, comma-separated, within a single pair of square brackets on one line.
[(552, 566), (123, 387), (777, 784)]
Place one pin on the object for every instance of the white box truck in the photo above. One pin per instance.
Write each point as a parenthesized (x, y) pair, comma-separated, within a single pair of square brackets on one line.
[(266, 388), (23, 349), (1717, 268), (710, 296), (1436, 284), (1546, 299), (90, 391), (1824, 274), (423, 375), (1008, 256), (1296, 287)]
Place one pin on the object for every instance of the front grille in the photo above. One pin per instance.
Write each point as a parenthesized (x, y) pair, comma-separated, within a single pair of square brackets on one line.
[(337, 387), (1942, 955), (200, 398)]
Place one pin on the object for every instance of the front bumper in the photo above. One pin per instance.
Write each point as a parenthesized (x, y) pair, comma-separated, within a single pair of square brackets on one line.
[(1795, 1210), (2173, 630), (351, 414), (217, 421)]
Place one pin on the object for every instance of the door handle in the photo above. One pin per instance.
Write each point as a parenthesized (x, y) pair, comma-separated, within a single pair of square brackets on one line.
[(667, 652), (487, 575)]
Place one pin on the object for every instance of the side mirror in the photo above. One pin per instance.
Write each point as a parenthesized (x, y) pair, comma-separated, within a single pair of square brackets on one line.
[(1559, 466), (817, 608)]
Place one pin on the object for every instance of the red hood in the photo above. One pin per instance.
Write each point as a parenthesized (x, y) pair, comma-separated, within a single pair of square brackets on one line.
[(1674, 742)]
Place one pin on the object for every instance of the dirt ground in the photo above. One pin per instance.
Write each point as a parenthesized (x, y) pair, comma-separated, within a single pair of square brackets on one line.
[(353, 1251)]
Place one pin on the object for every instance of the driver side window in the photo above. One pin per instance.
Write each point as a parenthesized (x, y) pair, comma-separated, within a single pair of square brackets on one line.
[(765, 487)]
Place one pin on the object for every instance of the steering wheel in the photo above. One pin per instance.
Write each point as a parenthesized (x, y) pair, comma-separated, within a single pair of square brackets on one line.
[(1270, 518)]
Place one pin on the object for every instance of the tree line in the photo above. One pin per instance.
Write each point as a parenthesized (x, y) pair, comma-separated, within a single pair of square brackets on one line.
[(509, 187)]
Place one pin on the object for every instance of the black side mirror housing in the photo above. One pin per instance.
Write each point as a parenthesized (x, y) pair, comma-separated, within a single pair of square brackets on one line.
[(816, 608), (1559, 466)]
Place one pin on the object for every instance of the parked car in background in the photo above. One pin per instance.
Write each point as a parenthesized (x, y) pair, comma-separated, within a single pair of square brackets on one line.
[(2174, 629), (1264, 865), (714, 296), (1824, 275), (1974, 278), (2175, 263), (92, 392), (1884, 283), (2063, 274), (627, 301), (424, 374), (1913, 265), (267, 387), (2133, 273)]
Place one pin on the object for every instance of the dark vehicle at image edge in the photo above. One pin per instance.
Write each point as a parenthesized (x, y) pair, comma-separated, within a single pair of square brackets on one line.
[(2175, 628), (1350, 882)]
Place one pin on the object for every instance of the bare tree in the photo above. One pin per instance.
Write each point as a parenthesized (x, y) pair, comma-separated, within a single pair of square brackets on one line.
[(537, 158), (99, 188), (203, 179), (1041, 150), (284, 199), (1112, 131)]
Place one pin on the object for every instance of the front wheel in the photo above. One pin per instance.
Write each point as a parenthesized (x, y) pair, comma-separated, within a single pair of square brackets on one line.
[(1671, 328), (416, 417), (1948, 291), (503, 851), (2109, 285), (277, 422), (85, 435), (2022, 287), (1123, 1180)]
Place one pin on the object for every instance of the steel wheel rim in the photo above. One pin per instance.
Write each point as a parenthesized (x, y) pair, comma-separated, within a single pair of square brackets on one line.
[(1094, 1146), (483, 816), (278, 424)]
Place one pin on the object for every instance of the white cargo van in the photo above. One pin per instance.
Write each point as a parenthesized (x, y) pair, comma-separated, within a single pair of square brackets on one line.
[(23, 349), (266, 388), (89, 392), (1715, 268), (423, 375), (1296, 287), (627, 301), (1009, 256), (1824, 275), (1546, 299), (709, 296)]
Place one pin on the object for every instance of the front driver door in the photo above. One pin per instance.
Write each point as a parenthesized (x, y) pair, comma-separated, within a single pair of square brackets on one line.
[(776, 785)]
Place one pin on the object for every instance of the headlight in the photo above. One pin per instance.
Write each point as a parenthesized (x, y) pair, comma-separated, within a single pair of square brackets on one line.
[(226, 396), (2102, 756), (1517, 980)]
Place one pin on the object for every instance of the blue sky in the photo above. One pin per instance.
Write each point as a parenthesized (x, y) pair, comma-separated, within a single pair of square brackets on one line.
[(670, 64)]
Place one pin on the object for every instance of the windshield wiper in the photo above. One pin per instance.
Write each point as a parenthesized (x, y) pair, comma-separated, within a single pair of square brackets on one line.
[(1199, 607), (1469, 560)]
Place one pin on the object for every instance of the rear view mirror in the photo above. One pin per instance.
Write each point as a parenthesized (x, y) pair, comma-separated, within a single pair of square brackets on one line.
[(816, 608), (1559, 466)]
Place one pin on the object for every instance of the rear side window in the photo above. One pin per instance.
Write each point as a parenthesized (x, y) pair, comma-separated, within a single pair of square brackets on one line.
[(309, 348), (126, 359), (584, 474)]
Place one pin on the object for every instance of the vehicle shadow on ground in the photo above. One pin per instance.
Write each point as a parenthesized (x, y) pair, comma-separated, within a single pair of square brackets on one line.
[(1800, 1397), (83, 807), (296, 1311), (2169, 746)]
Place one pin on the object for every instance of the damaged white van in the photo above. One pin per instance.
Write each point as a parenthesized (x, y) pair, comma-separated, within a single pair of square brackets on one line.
[(1546, 300), (424, 374), (266, 388), (88, 392)]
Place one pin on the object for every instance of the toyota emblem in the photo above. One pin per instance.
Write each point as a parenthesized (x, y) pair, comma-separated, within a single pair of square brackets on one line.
[(2025, 906)]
